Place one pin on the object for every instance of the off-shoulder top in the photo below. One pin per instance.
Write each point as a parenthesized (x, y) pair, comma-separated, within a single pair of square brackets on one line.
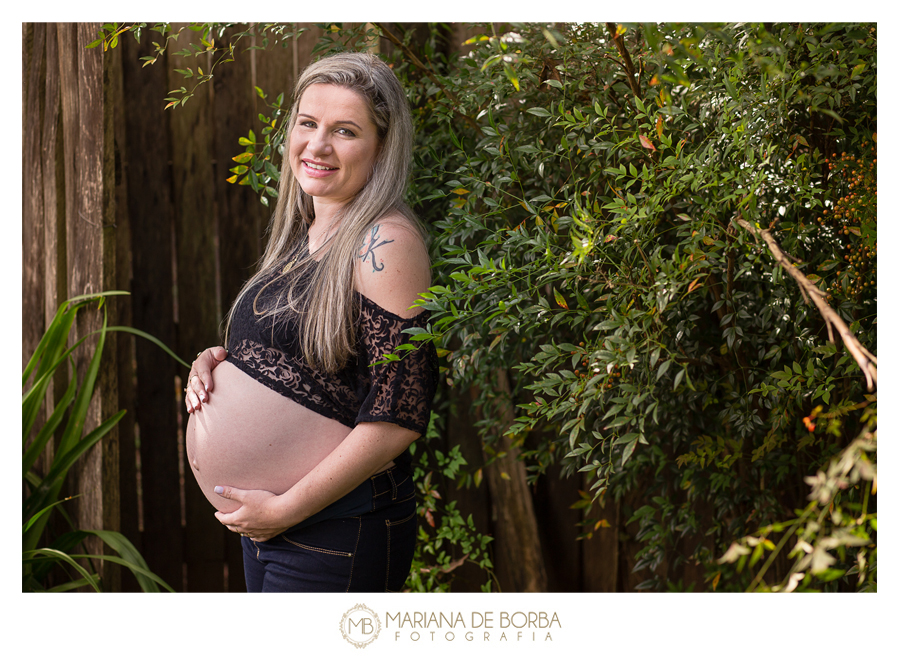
[(367, 389)]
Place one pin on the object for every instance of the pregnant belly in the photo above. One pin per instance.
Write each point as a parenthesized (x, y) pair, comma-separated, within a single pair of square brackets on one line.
[(250, 437)]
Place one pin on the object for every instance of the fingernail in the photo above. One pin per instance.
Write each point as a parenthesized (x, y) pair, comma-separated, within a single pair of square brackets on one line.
[(219, 490), (202, 397)]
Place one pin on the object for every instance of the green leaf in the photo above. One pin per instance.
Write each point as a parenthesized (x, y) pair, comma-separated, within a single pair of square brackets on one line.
[(60, 556), (664, 366), (628, 451), (152, 339)]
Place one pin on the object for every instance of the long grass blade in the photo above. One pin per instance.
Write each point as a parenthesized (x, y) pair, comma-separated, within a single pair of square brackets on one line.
[(72, 584), (128, 556), (65, 543), (120, 543), (40, 441), (82, 401), (49, 487), (44, 343), (62, 323), (34, 397), (97, 295), (31, 521), (57, 336), (52, 343), (153, 339), (59, 556), (135, 569)]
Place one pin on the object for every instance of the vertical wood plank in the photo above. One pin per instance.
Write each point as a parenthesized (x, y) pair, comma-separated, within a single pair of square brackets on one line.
[(54, 229), (476, 501), (304, 47), (53, 185), (66, 41), (128, 503), (600, 553), (90, 239), (53, 182), (198, 308), (629, 545), (558, 527), (147, 173), (32, 195), (275, 73), (519, 561), (242, 219)]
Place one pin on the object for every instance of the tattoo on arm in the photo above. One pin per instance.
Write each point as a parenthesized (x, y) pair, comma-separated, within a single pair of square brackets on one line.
[(368, 248)]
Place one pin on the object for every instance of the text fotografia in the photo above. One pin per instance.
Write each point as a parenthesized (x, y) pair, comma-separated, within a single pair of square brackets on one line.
[(479, 626)]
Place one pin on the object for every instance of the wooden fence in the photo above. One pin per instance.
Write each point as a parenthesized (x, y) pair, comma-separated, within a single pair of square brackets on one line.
[(119, 193)]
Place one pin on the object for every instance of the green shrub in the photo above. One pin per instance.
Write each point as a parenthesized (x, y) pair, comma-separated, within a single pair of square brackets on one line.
[(42, 491), (595, 192), (587, 234)]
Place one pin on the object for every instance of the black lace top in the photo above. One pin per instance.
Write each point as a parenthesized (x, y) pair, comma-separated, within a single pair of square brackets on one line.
[(397, 392)]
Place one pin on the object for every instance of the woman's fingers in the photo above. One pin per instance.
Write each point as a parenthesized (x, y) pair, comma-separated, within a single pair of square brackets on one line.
[(200, 380), (194, 394), (205, 363), (213, 357)]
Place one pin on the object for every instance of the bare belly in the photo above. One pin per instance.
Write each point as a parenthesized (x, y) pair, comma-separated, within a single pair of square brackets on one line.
[(250, 437)]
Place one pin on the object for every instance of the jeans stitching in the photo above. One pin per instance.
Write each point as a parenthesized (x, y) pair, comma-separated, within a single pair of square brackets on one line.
[(355, 551), (393, 523), (319, 550), (393, 485), (389, 524), (387, 569), (403, 500)]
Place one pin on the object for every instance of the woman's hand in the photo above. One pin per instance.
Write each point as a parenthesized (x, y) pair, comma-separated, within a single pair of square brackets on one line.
[(200, 381), (258, 517)]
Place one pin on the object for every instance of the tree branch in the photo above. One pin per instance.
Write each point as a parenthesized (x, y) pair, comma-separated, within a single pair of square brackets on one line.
[(415, 61), (865, 359), (629, 65)]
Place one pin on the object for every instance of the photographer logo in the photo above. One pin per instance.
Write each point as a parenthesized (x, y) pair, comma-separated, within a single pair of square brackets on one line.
[(360, 626)]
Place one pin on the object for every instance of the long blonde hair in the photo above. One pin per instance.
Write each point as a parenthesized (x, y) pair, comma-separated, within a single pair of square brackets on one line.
[(325, 309)]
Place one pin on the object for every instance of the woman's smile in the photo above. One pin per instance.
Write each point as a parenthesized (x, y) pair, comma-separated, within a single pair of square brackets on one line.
[(333, 144), (318, 167)]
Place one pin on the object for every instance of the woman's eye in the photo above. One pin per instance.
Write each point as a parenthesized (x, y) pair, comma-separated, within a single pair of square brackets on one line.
[(346, 131)]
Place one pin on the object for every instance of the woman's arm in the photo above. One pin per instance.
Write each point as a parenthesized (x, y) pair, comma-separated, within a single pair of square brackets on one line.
[(365, 451), (200, 380)]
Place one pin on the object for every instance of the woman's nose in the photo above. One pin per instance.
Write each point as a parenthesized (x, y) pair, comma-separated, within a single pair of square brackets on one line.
[(320, 143)]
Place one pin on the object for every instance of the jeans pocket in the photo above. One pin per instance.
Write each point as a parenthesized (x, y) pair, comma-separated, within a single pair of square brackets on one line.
[(339, 537), (401, 540), (317, 558)]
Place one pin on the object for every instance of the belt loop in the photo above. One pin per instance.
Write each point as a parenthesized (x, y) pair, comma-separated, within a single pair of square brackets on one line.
[(390, 474)]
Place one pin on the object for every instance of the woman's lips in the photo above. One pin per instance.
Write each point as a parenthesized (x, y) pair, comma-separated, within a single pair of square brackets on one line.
[(317, 168)]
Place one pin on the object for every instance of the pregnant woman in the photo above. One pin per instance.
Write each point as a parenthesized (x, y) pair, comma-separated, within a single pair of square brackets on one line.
[(298, 434)]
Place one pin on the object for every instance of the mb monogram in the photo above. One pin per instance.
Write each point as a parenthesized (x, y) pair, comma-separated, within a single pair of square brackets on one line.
[(360, 625)]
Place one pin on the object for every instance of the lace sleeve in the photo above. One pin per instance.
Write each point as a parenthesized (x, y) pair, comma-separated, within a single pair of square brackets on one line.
[(401, 391)]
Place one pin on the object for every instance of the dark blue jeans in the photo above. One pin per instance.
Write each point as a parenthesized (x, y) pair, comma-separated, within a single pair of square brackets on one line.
[(369, 552)]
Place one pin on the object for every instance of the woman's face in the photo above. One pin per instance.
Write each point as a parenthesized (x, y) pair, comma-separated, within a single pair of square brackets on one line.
[(333, 143)]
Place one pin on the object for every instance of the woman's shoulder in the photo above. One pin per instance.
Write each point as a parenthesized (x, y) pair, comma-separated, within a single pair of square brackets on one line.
[(392, 266)]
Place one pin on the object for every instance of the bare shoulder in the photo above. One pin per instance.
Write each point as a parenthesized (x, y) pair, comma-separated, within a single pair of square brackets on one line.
[(392, 266)]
